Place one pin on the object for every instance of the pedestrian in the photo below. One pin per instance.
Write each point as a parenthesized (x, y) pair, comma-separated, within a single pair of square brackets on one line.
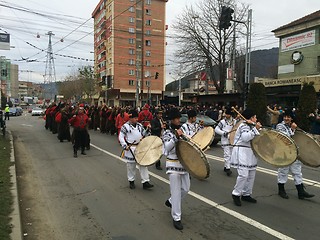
[(145, 116), (224, 128), (179, 178), (79, 122), (157, 127), (275, 116), (288, 127), (130, 135), (7, 112), (243, 158)]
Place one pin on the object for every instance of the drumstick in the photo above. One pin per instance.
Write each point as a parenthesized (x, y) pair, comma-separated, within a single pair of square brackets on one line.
[(236, 111)]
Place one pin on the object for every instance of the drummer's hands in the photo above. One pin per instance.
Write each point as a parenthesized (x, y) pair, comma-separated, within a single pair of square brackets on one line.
[(294, 126), (201, 122), (179, 132), (258, 125)]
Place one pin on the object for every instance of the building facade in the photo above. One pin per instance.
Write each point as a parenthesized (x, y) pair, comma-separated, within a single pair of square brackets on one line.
[(129, 47), (299, 60)]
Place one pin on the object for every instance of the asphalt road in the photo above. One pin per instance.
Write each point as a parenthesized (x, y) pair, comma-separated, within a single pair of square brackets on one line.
[(88, 197)]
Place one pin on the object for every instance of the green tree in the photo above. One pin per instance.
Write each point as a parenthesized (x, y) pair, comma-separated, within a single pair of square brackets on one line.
[(306, 105), (257, 101)]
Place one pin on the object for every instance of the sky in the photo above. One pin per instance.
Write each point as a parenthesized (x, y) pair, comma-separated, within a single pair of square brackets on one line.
[(71, 21)]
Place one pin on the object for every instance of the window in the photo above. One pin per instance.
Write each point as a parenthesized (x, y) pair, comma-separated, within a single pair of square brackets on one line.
[(131, 30), (131, 61), (131, 72), (148, 42), (148, 32), (148, 2), (148, 53), (148, 22), (131, 9), (147, 74), (131, 51), (131, 40), (148, 12), (148, 63), (131, 19), (131, 82)]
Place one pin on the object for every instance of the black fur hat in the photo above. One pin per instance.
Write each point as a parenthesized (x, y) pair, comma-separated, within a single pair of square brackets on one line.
[(174, 113), (133, 114), (248, 113), (192, 113)]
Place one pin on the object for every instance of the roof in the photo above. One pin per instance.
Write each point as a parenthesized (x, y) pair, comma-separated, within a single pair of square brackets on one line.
[(308, 18)]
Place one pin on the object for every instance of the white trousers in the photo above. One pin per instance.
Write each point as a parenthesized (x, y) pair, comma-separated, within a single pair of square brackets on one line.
[(227, 155), (179, 188), (245, 181), (131, 172), (295, 169)]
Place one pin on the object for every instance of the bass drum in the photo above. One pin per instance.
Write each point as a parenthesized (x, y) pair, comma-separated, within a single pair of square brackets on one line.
[(193, 159), (148, 151), (275, 148), (204, 137), (308, 148), (232, 133)]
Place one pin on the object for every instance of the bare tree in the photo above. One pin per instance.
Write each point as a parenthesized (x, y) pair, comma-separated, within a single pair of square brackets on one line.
[(201, 44)]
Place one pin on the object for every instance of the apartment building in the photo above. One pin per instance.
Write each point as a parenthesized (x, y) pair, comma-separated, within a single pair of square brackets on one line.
[(129, 47)]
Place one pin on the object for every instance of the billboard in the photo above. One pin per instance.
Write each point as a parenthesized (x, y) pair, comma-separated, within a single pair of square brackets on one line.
[(4, 41), (298, 41)]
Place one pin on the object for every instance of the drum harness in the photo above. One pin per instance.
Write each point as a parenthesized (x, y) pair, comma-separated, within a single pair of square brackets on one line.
[(234, 145)]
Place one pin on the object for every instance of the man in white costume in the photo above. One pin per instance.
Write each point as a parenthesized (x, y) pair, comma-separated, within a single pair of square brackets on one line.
[(243, 158), (178, 176), (224, 128), (130, 135), (191, 127), (288, 127)]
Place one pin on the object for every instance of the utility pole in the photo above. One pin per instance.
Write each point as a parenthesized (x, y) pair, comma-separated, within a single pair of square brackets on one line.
[(137, 82), (50, 72), (207, 65), (248, 54)]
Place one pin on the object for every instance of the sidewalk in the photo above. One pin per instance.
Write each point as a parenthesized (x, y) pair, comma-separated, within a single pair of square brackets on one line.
[(16, 233)]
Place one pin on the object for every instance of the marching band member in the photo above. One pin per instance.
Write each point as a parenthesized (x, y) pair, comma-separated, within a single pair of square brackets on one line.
[(288, 128), (191, 127), (243, 158), (223, 128), (79, 122), (178, 176), (130, 135)]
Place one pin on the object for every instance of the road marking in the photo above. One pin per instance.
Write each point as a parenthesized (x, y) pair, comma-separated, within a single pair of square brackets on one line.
[(26, 125), (233, 213), (271, 172)]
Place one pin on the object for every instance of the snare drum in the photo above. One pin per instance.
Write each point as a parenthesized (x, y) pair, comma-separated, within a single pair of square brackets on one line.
[(308, 148), (204, 137), (275, 148), (193, 159), (148, 151)]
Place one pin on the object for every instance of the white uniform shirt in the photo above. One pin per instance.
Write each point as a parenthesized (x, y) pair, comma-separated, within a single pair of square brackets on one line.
[(173, 165), (284, 128), (242, 154), (130, 134), (190, 128), (223, 128)]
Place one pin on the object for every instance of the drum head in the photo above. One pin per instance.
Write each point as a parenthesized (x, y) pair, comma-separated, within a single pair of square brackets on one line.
[(193, 159), (204, 137), (308, 148), (232, 133), (275, 148), (148, 151)]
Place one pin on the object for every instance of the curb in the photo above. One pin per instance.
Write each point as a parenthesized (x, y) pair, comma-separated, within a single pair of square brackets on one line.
[(16, 233)]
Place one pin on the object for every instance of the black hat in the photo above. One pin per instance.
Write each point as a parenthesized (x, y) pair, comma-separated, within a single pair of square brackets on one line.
[(158, 111), (228, 111), (174, 113), (133, 114), (288, 113), (192, 113), (248, 113)]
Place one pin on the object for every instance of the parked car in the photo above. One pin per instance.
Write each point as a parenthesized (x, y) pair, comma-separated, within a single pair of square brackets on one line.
[(13, 111), (208, 122), (19, 111), (37, 111)]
